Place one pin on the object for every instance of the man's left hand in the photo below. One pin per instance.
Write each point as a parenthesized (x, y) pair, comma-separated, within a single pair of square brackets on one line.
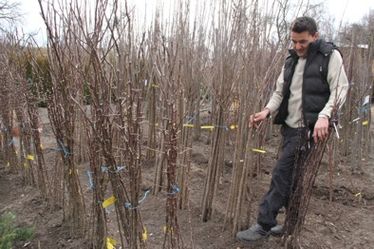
[(321, 129)]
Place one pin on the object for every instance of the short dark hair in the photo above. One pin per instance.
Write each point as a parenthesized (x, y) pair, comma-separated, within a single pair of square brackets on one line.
[(304, 23)]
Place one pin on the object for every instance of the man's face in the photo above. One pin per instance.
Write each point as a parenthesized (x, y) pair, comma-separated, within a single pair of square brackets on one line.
[(301, 42)]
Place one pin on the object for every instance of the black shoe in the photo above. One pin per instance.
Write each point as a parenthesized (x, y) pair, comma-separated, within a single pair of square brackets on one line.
[(277, 230), (254, 233)]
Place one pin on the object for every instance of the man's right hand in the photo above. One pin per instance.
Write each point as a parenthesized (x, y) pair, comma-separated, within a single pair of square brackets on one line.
[(256, 119)]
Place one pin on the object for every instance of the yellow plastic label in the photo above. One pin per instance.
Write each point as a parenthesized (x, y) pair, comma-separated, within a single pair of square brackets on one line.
[(366, 122), (259, 151), (233, 127), (110, 243), (168, 229), (108, 202), (144, 234), (30, 157), (211, 127)]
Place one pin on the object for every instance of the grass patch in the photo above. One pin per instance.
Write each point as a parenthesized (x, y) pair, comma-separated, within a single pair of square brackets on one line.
[(9, 233)]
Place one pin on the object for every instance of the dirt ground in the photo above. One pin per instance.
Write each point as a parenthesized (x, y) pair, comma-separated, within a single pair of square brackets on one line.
[(347, 222)]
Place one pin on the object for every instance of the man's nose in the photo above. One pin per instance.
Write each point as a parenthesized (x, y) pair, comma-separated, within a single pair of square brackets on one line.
[(297, 46)]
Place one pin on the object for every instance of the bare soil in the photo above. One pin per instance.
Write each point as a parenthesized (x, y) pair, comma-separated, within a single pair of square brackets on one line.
[(346, 222)]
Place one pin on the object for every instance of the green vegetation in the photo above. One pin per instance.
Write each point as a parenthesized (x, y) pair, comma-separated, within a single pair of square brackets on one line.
[(9, 233)]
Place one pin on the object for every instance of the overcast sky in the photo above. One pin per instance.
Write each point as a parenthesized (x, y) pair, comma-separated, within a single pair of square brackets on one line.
[(346, 10)]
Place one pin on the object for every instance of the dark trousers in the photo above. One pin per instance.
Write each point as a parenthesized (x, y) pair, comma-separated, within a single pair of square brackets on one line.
[(296, 145)]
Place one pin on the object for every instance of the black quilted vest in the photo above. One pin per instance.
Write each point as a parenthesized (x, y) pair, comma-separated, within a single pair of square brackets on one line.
[(316, 91)]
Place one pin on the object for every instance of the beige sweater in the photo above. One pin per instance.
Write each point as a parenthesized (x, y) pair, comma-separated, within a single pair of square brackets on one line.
[(336, 78)]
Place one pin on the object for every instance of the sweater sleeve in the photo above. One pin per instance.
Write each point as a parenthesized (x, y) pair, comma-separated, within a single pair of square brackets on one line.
[(338, 83), (277, 97)]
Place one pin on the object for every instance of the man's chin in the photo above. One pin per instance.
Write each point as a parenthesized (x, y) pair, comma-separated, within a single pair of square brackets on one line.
[(300, 54)]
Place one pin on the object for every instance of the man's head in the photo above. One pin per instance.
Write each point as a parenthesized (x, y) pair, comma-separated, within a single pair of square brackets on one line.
[(303, 32)]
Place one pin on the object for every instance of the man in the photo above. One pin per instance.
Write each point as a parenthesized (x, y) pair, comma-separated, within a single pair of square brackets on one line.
[(312, 83)]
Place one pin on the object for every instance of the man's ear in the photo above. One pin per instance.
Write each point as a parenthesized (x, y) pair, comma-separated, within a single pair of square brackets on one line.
[(316, 35)]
